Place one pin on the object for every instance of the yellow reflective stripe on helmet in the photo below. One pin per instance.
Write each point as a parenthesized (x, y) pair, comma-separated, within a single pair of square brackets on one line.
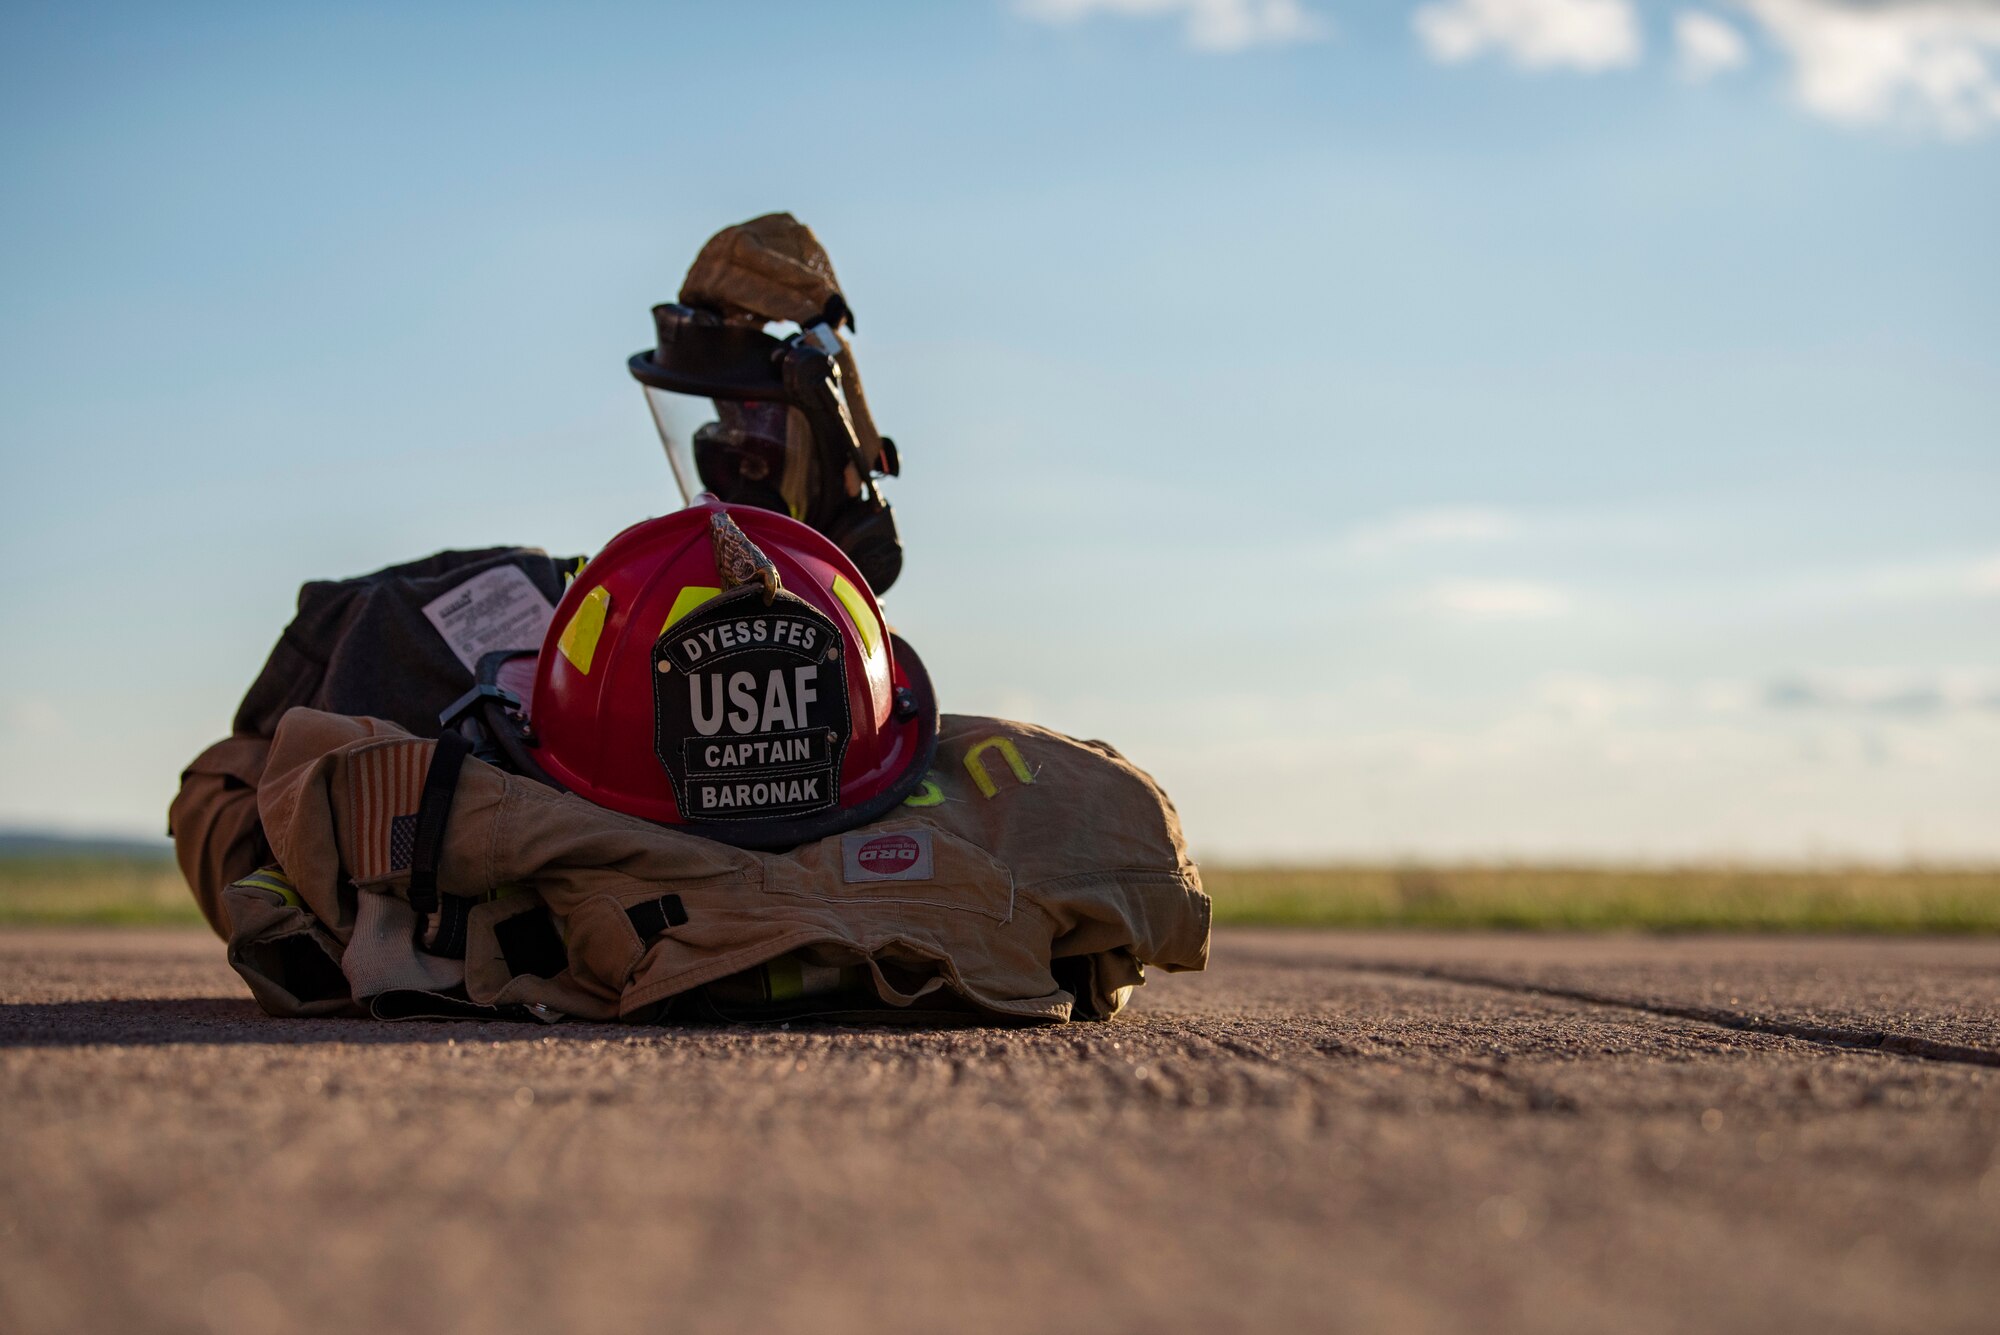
[(579, 637), (857, 607), (693, 596)]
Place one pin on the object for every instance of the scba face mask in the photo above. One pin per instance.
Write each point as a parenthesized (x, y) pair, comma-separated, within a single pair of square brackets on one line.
[(727, 669), (785, 436)]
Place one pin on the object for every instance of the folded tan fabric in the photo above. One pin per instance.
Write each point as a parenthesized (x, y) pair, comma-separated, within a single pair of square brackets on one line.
[(1024, 848)]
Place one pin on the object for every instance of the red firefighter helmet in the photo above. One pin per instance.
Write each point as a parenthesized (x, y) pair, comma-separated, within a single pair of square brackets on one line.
[(726, 669)]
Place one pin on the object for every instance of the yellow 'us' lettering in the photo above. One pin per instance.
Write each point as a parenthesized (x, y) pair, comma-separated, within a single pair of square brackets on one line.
[(929, 795), (1008, 752)]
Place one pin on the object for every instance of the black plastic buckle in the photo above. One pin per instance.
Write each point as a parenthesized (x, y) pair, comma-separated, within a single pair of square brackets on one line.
[(472, 700)]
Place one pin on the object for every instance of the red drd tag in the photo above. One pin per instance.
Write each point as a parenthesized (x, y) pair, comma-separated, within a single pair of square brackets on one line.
[(902, 855)]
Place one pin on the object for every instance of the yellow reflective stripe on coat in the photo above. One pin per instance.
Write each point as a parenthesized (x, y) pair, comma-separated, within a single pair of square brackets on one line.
[(274, 881), (784, 979), (929, 795), (1008, 752)]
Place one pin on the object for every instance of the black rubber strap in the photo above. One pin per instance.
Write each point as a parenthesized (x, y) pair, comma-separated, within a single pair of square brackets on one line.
[(433, 811), (454, 922), (530, 943), (657, 915)]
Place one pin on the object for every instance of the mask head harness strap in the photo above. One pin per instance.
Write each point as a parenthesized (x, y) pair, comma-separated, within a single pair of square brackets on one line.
[(795, 433)]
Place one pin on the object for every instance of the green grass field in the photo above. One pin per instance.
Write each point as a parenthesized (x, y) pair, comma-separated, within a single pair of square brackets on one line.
[(1608, 898), (138, 890), (93, 889)]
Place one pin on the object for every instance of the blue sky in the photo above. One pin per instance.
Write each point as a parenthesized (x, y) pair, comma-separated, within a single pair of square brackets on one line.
[(1476, 428)]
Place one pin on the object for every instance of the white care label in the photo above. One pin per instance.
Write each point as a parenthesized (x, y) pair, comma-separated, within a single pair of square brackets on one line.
[(497, 609)]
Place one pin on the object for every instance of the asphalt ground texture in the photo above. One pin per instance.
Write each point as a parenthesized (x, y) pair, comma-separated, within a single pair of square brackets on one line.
[(1324, 1132)]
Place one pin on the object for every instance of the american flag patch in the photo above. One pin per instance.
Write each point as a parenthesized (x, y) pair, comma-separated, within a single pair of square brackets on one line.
[(385, 785)]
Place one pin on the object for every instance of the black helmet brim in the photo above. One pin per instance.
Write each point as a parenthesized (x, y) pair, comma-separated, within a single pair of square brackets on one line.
[(700, 353)]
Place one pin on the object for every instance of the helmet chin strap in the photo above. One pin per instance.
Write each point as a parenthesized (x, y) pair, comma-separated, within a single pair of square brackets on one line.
[(495, 721)]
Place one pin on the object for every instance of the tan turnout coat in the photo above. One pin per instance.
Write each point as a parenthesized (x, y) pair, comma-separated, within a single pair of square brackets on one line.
[(1024, 847)]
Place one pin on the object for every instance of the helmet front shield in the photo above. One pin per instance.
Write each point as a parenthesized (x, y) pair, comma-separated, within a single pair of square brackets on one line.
[(675, 439)]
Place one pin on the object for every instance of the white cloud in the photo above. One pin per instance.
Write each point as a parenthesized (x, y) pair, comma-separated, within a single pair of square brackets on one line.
[(1907, 694), (1495, 599), (1586, 35), (1925, 63), (1422, 528), (34, 717), (1588, 698), (1974, 577), (1607, 771), (1208, 25), (1707, 45), (1922, 62)]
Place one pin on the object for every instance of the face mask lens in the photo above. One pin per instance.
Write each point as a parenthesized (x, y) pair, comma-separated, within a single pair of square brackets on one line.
[(762, 422), (673, 415), (741, 457)]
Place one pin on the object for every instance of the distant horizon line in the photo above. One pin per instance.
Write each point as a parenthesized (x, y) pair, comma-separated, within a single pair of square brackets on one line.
[(21, 840)]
